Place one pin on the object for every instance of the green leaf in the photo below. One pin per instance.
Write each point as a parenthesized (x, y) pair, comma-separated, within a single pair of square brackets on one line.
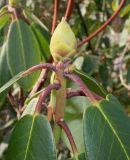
[(91, 83), (3, 20), (80, 157), (4, 10), (125, 33), (43, 37), (35, 19), (74, 118), (4, 72), (125, 11), (10, 82), (30, 108), (91, 64), (32, 139), (23, 52), (115, 4), (107, 131)]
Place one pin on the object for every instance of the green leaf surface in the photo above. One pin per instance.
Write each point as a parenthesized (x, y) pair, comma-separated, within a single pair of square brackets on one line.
[(90, 64), (30, 108), (92, 84), (3, 20), (32, 139), (4, 10), (4, 72), (80, 157), (34, 19), (43, 38), (125, 11), (23, 52), (10, 82), (107, 131)]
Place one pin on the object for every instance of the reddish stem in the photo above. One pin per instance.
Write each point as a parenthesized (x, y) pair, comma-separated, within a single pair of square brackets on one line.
[(14, 12), (81, 93), (44, 94), (4, 13), (40, 80), (55, 17), (83, 87), (104, 25), (38, 67), (13, 103), (69, 9), (63, 125), (49, 113)]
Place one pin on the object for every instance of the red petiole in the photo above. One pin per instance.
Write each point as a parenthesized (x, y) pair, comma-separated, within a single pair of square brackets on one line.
[(103, 26)]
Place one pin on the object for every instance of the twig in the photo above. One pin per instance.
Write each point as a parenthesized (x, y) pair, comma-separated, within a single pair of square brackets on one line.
[(104, 25), (49, 113), (63, 125), (13, 103), (40, 80), (44, 94), (69, 9), (83, 87), (71, 94), (121, 68), (54, 23), (21, 98), (38, 67)]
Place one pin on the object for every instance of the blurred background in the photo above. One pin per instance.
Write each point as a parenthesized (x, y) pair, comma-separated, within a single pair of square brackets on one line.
[(106, 57)]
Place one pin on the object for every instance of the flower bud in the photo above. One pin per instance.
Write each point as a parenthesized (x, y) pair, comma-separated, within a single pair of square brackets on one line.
[(63, 41), (14, 2)]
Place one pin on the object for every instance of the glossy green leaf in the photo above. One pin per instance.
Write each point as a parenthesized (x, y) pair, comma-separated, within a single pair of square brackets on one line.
[(3, 20), (4, 72), (107, 131), (92, 84), (30, 108), (23, 52), (10, 82), (80, 157), (32, 139), (34, 19), (90, 64), (43, 37), (125, 11), (3, 10), (115, 4)]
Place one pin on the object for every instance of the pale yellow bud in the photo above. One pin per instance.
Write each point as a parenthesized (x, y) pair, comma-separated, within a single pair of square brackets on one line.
[(63, 41)]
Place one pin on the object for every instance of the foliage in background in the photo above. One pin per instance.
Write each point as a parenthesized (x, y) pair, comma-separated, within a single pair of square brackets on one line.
[(100, 58)]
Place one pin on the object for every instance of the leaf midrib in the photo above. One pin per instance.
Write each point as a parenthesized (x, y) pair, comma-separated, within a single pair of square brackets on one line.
[(29, 139), (114, 131)]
